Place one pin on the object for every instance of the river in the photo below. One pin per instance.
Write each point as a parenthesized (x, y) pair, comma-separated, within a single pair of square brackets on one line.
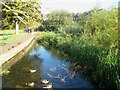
[(46, 64)]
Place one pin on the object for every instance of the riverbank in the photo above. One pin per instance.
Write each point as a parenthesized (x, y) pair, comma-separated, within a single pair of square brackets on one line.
[(92, 59), (12, 48)]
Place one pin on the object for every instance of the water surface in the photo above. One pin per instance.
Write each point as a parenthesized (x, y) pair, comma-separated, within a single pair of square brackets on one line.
[(48, 65)]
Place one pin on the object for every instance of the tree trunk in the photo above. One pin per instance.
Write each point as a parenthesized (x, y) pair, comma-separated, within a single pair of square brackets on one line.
[(17, 28)]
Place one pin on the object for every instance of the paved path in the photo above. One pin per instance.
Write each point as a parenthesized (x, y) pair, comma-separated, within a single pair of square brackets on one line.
[(14, 43)]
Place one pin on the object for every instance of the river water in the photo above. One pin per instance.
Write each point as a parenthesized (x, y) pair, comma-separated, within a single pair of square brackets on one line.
[(47, 64)]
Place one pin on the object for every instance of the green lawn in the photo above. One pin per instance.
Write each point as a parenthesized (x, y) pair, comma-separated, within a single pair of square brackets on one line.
[(11, 34), (10, 31)]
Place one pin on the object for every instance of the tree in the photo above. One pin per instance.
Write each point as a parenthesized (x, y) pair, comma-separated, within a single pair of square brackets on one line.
[(21, 13), (57, 19)]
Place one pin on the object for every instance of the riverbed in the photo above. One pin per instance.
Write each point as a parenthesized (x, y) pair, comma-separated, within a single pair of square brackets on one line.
[(48, 64)]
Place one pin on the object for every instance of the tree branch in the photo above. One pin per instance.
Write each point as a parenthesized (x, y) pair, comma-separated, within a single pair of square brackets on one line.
[(20, 18)]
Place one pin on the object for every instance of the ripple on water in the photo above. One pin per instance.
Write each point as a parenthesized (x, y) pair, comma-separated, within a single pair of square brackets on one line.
[(49, 66)]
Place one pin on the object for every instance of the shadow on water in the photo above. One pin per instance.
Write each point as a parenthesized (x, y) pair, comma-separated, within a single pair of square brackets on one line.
[(48, 65)]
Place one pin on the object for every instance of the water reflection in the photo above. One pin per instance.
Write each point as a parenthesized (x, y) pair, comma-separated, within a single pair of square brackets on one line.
[(41, 63)]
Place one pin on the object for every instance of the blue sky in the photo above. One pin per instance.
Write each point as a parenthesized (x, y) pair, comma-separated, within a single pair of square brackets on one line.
[(76, 5)]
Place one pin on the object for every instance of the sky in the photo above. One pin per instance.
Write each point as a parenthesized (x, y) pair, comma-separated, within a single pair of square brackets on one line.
[(76, 6)]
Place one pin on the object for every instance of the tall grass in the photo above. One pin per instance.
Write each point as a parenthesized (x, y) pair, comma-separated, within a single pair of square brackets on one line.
[(93, 44), (102, 64)]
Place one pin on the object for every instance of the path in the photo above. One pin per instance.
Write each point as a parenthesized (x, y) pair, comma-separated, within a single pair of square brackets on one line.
[(14, 43)]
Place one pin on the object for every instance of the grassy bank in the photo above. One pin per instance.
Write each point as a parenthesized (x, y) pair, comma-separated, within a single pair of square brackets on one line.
[(100, 63), (11, 36)]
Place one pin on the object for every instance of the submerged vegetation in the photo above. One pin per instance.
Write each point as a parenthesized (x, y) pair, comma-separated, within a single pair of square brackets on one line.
[(90, 38)]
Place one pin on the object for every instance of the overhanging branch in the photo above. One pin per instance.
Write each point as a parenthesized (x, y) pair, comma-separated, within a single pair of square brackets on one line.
[(15, 11)]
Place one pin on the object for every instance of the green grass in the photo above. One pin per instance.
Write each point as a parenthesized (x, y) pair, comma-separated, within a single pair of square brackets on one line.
[(11, 38), (12, 35), (100, 63), (9, 31)]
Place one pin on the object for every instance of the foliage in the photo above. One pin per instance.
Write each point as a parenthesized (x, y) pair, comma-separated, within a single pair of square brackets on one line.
[(21, 12), (57, 20), (91, 38), (108, 69)]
